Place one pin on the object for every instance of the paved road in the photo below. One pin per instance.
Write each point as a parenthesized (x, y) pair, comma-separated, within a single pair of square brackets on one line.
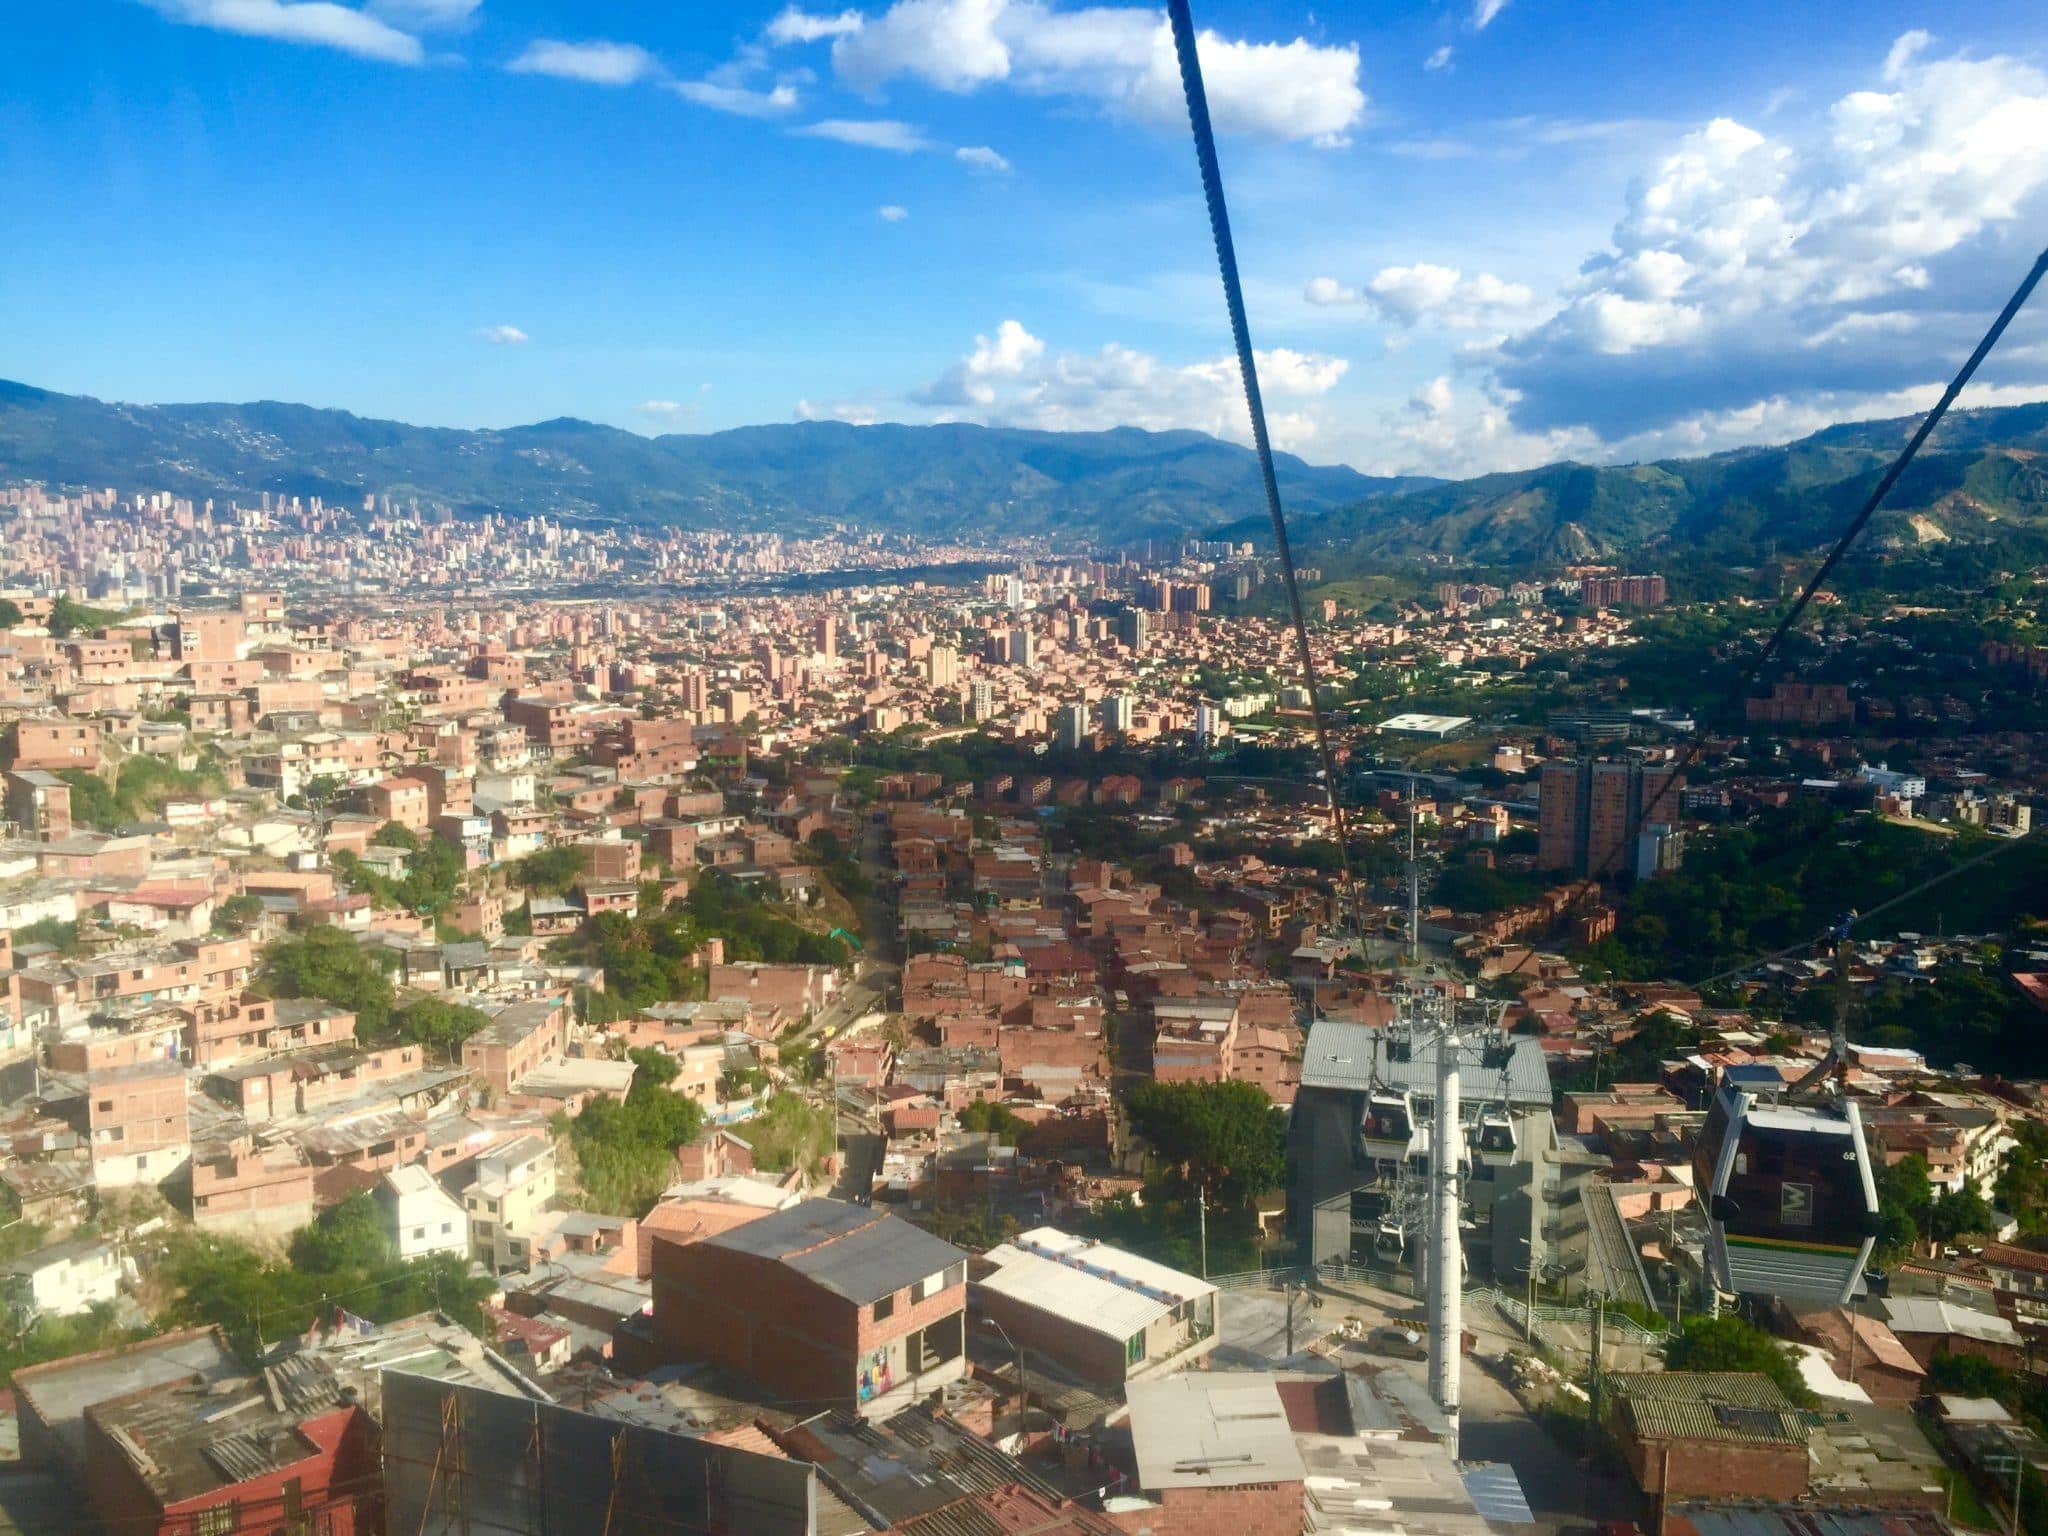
[(1562, 1489)]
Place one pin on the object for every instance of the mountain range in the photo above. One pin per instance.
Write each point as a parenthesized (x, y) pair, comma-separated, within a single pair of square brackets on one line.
[(934, 481), (1982, 476)]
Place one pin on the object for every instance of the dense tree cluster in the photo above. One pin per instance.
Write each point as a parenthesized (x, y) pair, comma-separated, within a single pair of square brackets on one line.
[(626, 1151), (1727, 1343), (344, 1259)]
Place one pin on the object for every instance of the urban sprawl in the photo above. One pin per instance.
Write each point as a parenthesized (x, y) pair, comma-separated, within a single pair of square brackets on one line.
[(545, 1025)]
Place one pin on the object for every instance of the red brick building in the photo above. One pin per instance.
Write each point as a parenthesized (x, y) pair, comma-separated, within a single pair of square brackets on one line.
[(1685, 1434), (824, 1302), (161, 1461)]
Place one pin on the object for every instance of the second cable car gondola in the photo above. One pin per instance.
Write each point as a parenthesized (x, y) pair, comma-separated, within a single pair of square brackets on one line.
[(1790, 1195)]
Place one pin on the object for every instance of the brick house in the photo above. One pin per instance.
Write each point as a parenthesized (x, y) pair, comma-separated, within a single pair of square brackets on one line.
[(1216, 1456), (796, 990), (137, 1123), (160, 1460), (824, 1302), (401, 800), (2019, 1279), (56, 744), (518, 1039), (1683, 1434), (251, 1191)]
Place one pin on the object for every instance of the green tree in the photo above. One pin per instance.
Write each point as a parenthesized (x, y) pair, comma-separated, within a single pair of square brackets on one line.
[(1727, 1343), (10, 615), (439, 1026), (327, 963), (344, 1259), (1223, 1139), (238, 914), (1904, 1196), (397, 835), (988, 1115), (2022, 1186), (626, 1151), (1971, 1376), (1959, 1213), (789, 1132), (552, 871)]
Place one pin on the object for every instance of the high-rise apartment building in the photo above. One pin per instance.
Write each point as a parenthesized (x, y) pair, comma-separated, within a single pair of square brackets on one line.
[(1134, 628), (1119, 713), (1621, 591), (1590, 811), (1073, 727)]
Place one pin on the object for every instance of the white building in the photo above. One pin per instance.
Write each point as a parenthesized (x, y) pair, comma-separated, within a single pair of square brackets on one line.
[(419, 1215), (1907, 786), (63, 1279)]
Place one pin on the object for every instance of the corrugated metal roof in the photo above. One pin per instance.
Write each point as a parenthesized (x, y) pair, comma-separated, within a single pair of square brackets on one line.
[(1931, 1314), (1706, 1405), (1357, 1057), (850, 1250), (1498, 1493), (1084, 1300)]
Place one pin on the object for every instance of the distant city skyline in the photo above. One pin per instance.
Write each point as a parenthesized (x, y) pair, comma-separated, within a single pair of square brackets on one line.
[(1477, 235)]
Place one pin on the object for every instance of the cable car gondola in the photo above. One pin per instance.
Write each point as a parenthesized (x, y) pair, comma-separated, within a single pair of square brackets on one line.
[(1493, 1138), (1790, 1196), (1388, 1126)]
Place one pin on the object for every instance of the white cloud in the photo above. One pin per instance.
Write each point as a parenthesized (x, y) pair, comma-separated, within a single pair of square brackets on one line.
[(740, 100), (1484, 11), (981, 158), (1838, 262), (852, 412), (503, 335), (892, 213), (1427, 294), (667, 410), (1013, 379), (597, 62), (311, 23), (869, 133), (799, 26), (1120, 57), (1441, 59)]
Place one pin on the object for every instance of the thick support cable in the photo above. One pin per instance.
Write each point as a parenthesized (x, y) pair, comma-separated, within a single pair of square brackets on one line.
[(1849, 535), (1842, 545), (1233, 298)]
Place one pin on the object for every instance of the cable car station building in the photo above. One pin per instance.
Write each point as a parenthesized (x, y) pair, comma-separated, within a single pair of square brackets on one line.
[(1362, 1115)]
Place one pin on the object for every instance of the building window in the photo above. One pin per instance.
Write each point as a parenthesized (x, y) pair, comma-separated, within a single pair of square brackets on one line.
[(217, 1521), (886, 1307), (1134, 1348)]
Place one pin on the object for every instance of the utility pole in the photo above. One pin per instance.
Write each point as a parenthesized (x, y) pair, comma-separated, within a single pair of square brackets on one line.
[(1202, 1205), (1446, 1283), (1414, 884), (1529, 1315)]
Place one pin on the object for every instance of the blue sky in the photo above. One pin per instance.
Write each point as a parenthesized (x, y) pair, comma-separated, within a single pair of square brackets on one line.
[(1477, 233)]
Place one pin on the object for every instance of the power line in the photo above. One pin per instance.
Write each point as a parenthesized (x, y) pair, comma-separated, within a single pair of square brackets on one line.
[(1850, 924), (1841, 547), (1247, 363)]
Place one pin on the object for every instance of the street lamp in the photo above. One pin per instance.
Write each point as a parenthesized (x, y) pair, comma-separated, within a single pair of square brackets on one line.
[(1023, 1390)]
